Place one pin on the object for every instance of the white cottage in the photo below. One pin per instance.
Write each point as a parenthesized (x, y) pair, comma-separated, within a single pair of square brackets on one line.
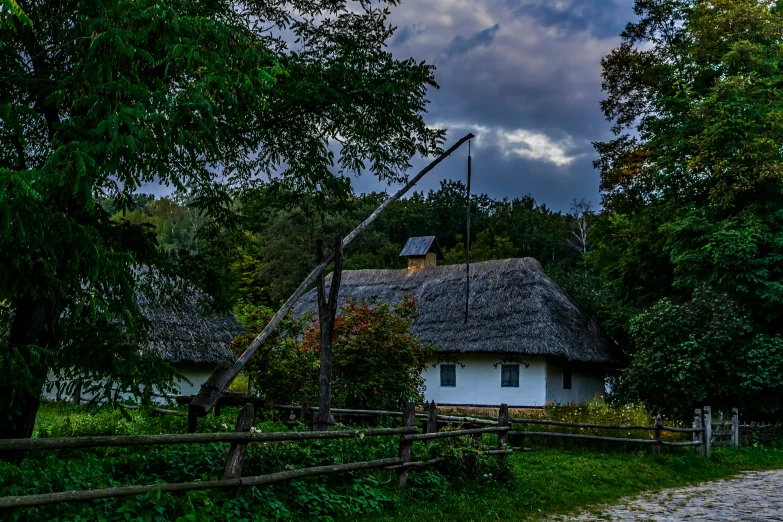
[(525, 343), (183, 334)]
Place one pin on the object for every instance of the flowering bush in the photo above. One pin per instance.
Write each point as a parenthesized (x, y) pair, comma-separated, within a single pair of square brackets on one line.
[(376, 361)]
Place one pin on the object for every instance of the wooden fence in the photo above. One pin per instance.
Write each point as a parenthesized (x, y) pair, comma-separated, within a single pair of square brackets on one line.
[(239, 439), (763, 433), (706, 433)]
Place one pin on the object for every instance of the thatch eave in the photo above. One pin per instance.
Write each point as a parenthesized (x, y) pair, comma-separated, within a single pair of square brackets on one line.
[(514, 309)]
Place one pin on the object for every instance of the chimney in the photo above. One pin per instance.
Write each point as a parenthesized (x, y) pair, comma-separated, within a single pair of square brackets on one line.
[(421, 252)]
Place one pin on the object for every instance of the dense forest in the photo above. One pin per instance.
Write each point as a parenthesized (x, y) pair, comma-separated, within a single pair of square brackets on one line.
[(272, 248)]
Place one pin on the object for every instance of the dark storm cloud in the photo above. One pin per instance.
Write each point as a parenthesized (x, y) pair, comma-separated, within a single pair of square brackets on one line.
[(597, 16), (461, 45), (524, 76), (405, 33), (526, 81)]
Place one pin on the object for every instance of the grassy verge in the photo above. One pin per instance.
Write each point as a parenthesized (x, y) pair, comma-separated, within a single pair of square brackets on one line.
[(551, 481)]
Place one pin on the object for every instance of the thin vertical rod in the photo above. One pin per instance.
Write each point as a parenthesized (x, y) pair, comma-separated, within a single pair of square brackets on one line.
[(467, 244)]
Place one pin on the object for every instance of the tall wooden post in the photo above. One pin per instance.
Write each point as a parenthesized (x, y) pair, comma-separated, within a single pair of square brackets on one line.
[(327, 310), (432, 418), (658, 433), (236, 454), (735, 427), (698, 436), (707, 431), (305, 412), (406, 446), (502, 421)]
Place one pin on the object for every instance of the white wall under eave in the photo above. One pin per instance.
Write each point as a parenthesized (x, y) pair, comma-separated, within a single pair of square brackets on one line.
[(478, 381), (587, 382), (197, 374)]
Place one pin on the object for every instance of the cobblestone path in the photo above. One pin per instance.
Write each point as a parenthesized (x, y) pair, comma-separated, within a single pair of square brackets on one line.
[(752, 496)]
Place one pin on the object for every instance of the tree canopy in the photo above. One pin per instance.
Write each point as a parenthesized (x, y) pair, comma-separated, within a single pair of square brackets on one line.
[(98, 98), (693, 187)]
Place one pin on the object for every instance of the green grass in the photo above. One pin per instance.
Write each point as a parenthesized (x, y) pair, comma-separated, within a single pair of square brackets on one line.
[(551, 481)]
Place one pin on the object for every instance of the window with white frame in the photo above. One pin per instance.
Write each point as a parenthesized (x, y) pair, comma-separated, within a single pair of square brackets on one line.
[(448, 375), (509, 376)]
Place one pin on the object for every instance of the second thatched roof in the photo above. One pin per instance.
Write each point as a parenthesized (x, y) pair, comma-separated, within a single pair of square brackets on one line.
[(185, 333), (514, 308)]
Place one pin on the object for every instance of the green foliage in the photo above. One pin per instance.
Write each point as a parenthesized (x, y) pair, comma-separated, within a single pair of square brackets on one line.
[(485, 248), (693, 200), (100, 98), (275, 250), (282, 371), (376, 361), (176, 225), (704, 352), (9, 9), (65, 420)]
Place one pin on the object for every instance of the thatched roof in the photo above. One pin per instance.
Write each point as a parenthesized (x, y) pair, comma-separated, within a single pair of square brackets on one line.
[(514, 308), (184, 333), (181, 332)]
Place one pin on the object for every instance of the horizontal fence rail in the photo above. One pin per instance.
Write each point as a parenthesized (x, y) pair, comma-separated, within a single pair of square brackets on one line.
[(455, 433), (579, 424), (92, 494), (239, 440), (192, 438)]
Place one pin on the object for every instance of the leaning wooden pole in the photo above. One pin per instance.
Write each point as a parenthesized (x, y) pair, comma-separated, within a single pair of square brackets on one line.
[(225, 374)]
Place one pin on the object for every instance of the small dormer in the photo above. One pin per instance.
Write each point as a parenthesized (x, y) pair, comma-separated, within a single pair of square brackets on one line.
[(421, 252)]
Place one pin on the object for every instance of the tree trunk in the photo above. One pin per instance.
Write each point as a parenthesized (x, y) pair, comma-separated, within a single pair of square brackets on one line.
[(25, 366), (327, 310)]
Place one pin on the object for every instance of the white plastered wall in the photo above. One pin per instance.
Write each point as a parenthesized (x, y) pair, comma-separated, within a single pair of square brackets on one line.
[(195, 373), (478, 381), (587, 382)]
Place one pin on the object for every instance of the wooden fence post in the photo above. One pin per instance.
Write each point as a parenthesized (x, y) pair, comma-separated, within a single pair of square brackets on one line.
[(236, 454), (432, 418), (192, 420), (216, 411), (502, 421), (735, 427), (658, 433), (698, 436), (305, 413), (707, 431), (408, 419)]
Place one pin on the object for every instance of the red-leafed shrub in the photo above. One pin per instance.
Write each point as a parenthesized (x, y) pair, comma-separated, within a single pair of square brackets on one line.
[(376, 360)]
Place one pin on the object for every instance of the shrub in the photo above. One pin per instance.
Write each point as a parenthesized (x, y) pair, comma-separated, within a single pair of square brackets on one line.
[(704, 351), (376, 361)]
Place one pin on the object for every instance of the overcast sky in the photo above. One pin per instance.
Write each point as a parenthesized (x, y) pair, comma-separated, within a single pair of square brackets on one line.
[(524, 76)]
